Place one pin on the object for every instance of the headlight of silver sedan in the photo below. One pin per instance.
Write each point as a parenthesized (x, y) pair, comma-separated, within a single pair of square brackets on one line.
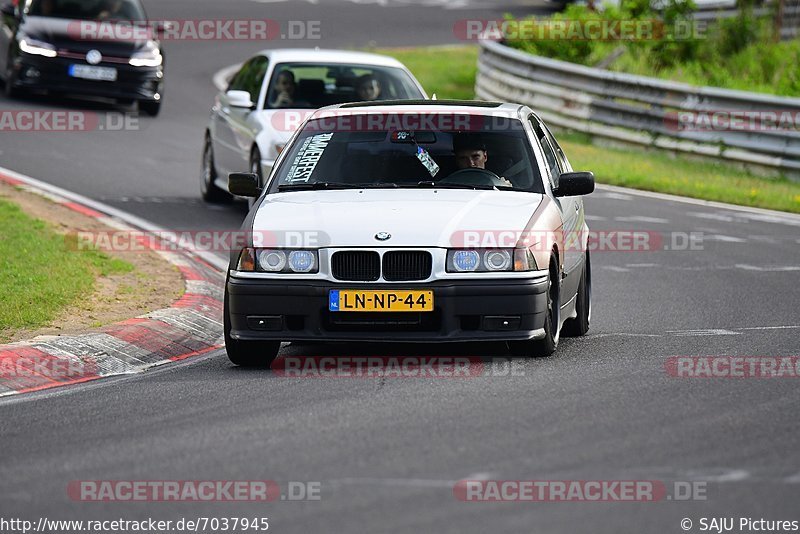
[(286, 261), (490, 260)]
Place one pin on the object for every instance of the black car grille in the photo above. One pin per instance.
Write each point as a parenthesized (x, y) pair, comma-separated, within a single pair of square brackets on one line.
[(406, 265), (356, 265), (365, 266)]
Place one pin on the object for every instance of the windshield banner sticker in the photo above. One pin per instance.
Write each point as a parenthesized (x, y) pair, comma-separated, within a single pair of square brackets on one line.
[(307, 158)]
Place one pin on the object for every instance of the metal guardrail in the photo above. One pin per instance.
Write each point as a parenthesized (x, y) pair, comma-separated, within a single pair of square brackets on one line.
[(641, 110)]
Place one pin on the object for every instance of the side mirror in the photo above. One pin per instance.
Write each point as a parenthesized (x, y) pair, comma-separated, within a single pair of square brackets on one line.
[(243, 184), (572, 184), (8, 10), (239, 99)]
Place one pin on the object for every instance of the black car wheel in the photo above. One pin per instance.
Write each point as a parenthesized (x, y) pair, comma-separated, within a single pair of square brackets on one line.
[(247, 353), (546, 345), (10, 90), (208, 174), (150, 107)]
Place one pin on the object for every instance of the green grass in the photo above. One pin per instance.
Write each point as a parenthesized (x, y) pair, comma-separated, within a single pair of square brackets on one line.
[(447, 71), (39, 274), (450, 72), (661, 172)]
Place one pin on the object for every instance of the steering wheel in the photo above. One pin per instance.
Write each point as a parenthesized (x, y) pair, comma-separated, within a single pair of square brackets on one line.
[(473, 176)]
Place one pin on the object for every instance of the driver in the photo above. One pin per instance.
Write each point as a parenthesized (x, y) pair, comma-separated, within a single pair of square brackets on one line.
[(470, 151)]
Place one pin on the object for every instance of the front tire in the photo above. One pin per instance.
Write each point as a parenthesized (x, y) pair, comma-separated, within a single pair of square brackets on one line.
[(579, 325), (247, 353), (150, 107), (547, 345), (9, 90)]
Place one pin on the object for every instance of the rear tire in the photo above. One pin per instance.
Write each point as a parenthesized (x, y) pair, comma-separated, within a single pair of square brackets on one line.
[(545, 346), (579, 325), (247, 353), (208, 175)]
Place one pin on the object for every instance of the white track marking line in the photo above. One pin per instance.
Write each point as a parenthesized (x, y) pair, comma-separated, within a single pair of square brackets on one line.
[(724, 238), (702, 332), (615, 268), (768, 269), (639, 218)]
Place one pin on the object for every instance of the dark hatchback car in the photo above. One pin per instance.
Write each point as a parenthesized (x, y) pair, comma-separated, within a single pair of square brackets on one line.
[(98, 48)]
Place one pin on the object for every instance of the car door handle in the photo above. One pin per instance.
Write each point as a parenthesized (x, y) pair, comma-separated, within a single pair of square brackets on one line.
[(577, 207)]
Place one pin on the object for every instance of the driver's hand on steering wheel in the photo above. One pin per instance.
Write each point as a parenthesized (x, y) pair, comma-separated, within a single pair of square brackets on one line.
[(506, 181)]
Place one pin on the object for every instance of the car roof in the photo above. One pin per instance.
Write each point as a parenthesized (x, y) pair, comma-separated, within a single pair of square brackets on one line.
[(475, 107), (321, 55)]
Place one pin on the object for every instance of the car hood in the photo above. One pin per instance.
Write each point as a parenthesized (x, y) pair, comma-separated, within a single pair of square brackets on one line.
[(66, 34), (278, 125), (413, 217)]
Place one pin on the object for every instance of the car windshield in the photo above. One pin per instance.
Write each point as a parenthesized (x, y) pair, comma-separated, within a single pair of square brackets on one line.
[(435, 150), (311, 86), (88, 9)]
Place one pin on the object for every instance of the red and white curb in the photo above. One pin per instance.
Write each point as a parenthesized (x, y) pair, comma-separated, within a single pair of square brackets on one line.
[(190, 327)]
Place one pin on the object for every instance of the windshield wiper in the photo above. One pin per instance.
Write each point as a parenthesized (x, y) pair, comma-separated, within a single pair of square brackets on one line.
[(435, 185), (316, 185)]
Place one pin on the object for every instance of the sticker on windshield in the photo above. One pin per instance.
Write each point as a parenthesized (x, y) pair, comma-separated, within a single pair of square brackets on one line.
[(307, 158), (427, 160)]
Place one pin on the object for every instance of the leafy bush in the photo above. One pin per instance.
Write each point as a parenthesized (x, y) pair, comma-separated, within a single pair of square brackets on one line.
[(736, 53)]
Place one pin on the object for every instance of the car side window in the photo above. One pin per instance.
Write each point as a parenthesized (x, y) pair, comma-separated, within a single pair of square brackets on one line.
[(239, 80), (562, 158), (250, 77), (256, 78), (549, 151)]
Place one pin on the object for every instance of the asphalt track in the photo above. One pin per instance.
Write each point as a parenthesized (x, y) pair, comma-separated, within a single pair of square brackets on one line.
[(387, 452)]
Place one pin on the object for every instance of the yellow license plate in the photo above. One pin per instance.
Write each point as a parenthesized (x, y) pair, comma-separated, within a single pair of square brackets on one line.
[(355, 300)]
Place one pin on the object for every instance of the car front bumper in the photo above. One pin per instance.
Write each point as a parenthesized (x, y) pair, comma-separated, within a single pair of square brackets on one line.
[(465, 310), (52, 74)]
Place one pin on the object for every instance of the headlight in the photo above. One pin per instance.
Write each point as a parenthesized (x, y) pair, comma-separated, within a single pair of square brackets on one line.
[(490, 260), (272, 261), (149, 56), (465, 260), (36, 47), (302, 261), (497, 260), (278, 261)]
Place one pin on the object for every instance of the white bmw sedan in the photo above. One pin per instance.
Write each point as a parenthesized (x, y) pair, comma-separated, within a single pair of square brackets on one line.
[(425, 221), (272, 94)]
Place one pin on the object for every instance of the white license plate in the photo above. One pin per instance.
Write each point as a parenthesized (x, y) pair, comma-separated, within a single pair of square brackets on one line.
[(88, 72)]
